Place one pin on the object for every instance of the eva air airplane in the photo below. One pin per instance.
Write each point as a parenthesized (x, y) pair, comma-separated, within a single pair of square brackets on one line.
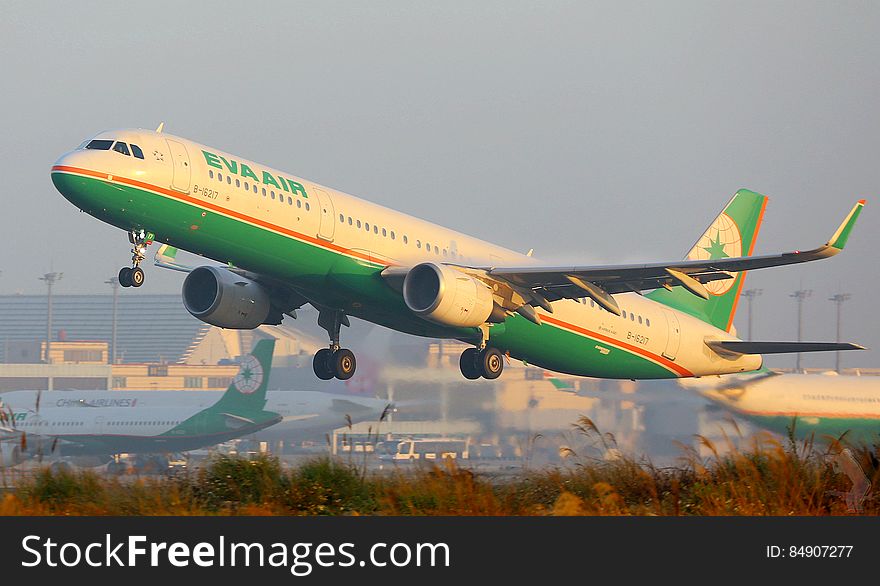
[(286, 242), (98, 423)]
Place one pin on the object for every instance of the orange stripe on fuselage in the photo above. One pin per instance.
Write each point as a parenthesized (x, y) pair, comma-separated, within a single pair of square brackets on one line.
[(324, 244), (742, 281), (634, 349), (221, 210)]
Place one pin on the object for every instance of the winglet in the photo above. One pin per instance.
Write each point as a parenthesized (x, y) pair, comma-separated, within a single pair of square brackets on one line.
[(840, 237)]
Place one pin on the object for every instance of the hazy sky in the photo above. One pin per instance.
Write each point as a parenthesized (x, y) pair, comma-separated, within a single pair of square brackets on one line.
[(606, 132)]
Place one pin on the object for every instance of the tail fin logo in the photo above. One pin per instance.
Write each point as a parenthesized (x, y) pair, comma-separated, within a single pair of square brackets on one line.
[(249, 377), (721, 240)]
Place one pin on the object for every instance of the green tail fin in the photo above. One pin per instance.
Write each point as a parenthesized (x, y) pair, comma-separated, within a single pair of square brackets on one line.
[(248, 389), (732, 234)]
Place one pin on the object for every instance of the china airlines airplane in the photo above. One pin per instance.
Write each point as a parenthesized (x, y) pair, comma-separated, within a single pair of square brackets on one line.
[(286, 241)]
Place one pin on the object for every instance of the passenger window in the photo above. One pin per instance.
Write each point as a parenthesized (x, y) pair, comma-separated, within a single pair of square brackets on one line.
[(229, 180), (444, 252), (100, 145), (247, 186), (632, 317), (289, 200), (264, 192), (358, 223), (237, 183), (307, 206), (418, 243), (136, 151), (623, 314), (405, 238), (647, 322), (341, 218), (436, 250), (384, 233), (367, 226), (121, 147), (428, 246), (220, 177), (349, 220), (255, 187), (375, 229), (272, 194), (640, 319), (210, 173)]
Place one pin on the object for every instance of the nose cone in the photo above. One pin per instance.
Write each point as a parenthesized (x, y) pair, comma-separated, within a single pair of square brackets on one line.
[(72, 175)]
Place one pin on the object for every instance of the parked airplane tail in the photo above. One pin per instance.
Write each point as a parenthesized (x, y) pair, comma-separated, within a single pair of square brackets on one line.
[(732, 234), (248, 389)]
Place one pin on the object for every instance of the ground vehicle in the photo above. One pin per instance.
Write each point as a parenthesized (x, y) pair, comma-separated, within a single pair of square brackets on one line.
[(430, 449)]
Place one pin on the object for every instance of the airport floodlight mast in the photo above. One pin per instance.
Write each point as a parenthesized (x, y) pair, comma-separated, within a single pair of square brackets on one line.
[(750, 294), (839, 300), (50, 279), (113, 282), (800, 295)]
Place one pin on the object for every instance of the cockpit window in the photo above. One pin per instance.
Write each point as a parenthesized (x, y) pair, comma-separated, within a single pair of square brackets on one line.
[(100, 145), (136, 151), (121, 147)]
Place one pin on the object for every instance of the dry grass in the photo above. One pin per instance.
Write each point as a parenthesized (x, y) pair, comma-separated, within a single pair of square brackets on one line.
[(767, 478)]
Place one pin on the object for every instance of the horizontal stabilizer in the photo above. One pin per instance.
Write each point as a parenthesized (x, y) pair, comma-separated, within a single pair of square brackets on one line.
[(740, 347)]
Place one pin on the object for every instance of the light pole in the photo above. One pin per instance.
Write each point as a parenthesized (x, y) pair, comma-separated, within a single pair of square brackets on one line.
[(50, 279), (113, 282), (839, 300), (800, 295), (750, 294)]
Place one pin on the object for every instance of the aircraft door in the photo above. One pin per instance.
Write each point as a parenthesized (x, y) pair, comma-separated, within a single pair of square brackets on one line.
[(180, 164), (327, 224), (673, 339)]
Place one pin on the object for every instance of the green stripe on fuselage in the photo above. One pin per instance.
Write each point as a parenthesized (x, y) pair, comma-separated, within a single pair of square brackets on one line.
[(350, 284), (560, 350), (857, 430)]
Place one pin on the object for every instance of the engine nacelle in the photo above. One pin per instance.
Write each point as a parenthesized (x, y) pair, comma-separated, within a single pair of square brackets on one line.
[(222, 298), (444, 295)]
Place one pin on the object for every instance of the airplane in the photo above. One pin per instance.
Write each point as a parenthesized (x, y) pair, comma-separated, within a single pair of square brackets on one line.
[(286, 242), (816, 405), (84, 424)]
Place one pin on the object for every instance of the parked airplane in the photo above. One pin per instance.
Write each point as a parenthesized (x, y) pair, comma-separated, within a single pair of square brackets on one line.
[(104, 423), (287, 242), (824, 405)]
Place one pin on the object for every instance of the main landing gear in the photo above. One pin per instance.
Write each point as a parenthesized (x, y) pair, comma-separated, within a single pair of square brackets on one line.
[(134, 276), (487, 363), (334, 361)]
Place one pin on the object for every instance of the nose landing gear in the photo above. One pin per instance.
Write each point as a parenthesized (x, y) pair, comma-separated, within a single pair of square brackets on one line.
[(334, 361), (134, 276)]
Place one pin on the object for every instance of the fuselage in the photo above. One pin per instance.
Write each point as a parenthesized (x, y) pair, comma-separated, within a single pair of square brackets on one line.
[(332, 247), (107, 422), (820, 405)]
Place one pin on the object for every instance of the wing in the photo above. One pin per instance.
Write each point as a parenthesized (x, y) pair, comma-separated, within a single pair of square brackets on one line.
[(539, 284)]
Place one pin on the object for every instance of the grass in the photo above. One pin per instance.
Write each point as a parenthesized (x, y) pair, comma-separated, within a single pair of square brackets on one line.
[(768, 478)]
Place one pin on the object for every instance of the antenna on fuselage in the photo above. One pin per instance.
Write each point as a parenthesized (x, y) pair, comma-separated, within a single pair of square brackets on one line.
[(160, 127)]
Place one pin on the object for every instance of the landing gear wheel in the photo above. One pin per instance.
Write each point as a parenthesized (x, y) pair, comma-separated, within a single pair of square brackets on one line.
[(124, 277), (343, 363), (491, 363), (136, 276), (468, 364), (321, 364)]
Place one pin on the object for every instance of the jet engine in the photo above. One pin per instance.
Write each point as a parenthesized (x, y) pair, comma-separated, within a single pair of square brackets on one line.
[(225, 299), (446, 296)]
